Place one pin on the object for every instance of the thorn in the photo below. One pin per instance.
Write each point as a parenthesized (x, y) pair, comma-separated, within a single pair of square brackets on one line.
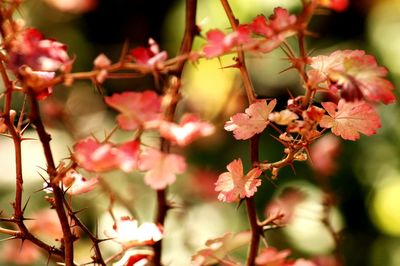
[(28, 219), (6, 135), (105, 239), (9, 220), (240, 203), (124, 50), (280, 141), (22, 139), (26, 204), (9, 238), (307, 149), (25, 128), (286, 69), (79, 211), (236, 65), (293, 169)]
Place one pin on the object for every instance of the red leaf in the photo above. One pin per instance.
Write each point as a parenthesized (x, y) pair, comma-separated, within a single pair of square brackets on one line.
[(234, 184), (150, 55), (253, 121), (347, 119)]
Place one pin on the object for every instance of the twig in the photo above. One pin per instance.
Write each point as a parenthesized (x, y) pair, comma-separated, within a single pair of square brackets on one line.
[(256, 230), (173, 90), (18, 218), (98, 256), (248, 86), (68, 237)]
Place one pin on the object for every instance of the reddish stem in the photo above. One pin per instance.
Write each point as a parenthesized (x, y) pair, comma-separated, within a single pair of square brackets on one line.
[(256, 230), (68, 237), (18, 218), (173, 90)]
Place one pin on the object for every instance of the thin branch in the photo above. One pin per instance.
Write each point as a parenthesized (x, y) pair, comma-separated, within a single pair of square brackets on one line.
[(173, 91), (256, 230), (248, 86), (68, 237), (10, 232), (98, 256)]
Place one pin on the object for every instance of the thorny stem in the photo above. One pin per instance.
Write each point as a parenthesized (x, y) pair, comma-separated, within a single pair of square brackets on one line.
[(98, 259), (17, 144), (18, 218), (68, 237), (173, 94), (248, 86), (256, 230)]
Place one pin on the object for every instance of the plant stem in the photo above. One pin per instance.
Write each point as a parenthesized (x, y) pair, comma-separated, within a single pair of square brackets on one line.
[(173, 91), (18, 218), (68, 237), (248, 86), (98, 258), (256, 230)]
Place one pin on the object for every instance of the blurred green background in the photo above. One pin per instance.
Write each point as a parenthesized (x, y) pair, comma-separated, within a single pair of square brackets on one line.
[(366, 184)]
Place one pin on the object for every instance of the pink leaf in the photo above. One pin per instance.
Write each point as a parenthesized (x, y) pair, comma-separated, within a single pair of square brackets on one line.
[(281, 19), (189, 129), (275, 29), (161, 168), (356, 74), (347, 119), (272, 257), (99, 157), (219, 43), (253, 121), (324, 153), (260, 25), (217, 250), (233, 185), (136, 108)]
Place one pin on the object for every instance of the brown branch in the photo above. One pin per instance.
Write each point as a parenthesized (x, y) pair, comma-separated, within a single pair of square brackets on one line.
[(248, 86), (256, 230), (68, 237), (18, 218), (98, 259), (173, 91)]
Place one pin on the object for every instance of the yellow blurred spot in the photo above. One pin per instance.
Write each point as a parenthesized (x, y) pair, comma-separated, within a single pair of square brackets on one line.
[(383, 25), (207, 85), (385, 206)]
